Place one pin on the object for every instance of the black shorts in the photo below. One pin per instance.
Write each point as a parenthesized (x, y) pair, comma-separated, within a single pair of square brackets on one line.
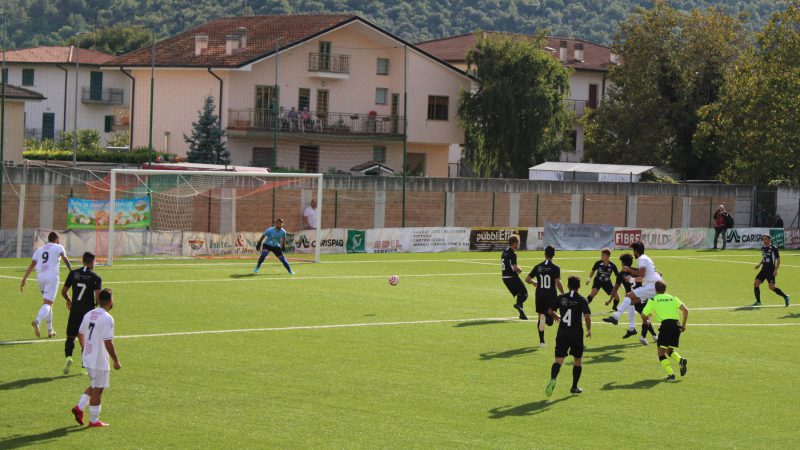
[(605, 285), (515, 286), (639, 307), (545, 302), (276, 250), (669, 334), (766, 274), (569, 343), (74, 321)]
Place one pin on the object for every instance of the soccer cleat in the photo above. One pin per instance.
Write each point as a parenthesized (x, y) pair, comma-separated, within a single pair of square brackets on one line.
[(611, 320), (787, 300), (51, 333), (629, 333), (667, 378), (255, 270), (291, 272), (66, 367), (541, 345), (756, 304), (655, 339), (522, 315), (78, 414), (683, 366), (99, 423), (614, 309), (643, 340), (576, 390), (36, 329), (550, 386)]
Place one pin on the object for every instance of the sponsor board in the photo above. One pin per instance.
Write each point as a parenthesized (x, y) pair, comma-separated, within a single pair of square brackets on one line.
[(570, 236), (356, 241), (654, 238), (332, 240), (129, 213), (778, 237), (745, 237), (496, 238), (696, 238), (791, 237), (417, 240), (213, 244), (535, 238)]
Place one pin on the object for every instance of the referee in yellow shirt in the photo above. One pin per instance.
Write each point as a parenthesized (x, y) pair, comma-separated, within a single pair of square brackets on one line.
[(668, 310)]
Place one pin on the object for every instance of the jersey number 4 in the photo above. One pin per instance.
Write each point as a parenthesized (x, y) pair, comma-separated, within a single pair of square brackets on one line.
[(567, 317)]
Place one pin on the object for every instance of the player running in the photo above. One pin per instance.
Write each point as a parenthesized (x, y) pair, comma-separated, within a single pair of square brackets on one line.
[(46, 260), (86, 286), (629, 283), (275, 243), (546, 276), (770, 263), (604, 268), (569, 339), (96, 335), (666, 309), (646, 270), (510, 273)]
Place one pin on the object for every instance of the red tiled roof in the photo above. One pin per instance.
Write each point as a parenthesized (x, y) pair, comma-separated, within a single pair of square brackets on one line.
[(16, 92), (261, 34), (454, 50), (56, 55)]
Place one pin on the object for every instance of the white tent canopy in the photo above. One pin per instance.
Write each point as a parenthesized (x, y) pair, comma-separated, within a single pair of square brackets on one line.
[(567, 171)]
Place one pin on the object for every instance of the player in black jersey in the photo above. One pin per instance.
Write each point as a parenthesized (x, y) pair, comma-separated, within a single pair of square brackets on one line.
[(510, 270), (86, 286), (629, 283), (546, 276), (604, 269), (770, 263), (569, 339)]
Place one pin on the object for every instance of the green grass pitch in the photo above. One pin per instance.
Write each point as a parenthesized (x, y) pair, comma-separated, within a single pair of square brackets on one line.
[(216, 357)]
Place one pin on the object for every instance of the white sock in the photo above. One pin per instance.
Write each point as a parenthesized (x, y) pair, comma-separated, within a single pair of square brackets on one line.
[(44, 311), (94, 411), (49, 320), (631, 317), (541, 323), (83, 402), (622, 307)]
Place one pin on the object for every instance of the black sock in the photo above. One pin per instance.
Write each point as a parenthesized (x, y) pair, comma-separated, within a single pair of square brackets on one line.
[(652, 330), (521, 299), (616, 303), (69, 346), (758, 294), (780, 292), (554, 370), (541, 337), (589, 298), (576, 375), (645, 329)]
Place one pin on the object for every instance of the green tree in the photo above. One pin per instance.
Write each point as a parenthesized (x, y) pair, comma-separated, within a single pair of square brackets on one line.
[(756, 121), (674, 64), (114, 39), (515, 117), (205, 144)]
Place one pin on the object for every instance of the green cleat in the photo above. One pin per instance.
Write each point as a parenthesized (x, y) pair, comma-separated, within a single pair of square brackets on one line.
[(67, 365), (550, 386)]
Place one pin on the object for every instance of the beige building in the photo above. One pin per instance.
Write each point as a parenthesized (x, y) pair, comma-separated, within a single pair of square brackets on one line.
[(319, 93), (14, 121), (590, 63)]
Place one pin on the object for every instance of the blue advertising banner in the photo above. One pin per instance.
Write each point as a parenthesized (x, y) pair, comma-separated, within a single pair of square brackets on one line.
[(570, 236)]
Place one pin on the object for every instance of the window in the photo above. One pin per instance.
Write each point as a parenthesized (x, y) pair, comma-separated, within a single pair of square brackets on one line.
[(309, 159), (322, 102), (415, 164), (265, 97), (437, 107), (304, 99), (379, 154), (96, 86), (383, 66), (27, 77), (109, 124), (5, 75), (264, 157), (380, 96)]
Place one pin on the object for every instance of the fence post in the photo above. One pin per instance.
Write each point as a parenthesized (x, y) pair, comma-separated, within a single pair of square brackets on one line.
[(672, 212), (537, 210), (335, 208), (21, 211), (493, 200), (445, 208)]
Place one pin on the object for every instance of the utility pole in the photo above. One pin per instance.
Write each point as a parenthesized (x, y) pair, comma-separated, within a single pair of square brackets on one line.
[(3, 118), (152, 85)]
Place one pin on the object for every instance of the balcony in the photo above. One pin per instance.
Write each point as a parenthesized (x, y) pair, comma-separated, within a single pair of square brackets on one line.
[(263, 123), (326, 65), (108, 96)]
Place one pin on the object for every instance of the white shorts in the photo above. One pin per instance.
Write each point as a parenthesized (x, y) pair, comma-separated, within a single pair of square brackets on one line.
[(99, 378), (48, 284), (645, 292)]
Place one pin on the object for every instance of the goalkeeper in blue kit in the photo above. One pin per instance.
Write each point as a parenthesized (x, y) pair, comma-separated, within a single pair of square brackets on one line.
[(275, 243)]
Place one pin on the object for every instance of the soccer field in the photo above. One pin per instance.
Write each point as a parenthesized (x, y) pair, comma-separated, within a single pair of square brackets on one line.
[(214, 356)]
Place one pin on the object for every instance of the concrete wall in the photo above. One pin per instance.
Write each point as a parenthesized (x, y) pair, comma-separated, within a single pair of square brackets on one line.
[(788, 206), (14, 135)]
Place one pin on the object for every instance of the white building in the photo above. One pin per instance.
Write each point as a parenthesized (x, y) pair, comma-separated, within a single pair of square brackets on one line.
[(102, 95)]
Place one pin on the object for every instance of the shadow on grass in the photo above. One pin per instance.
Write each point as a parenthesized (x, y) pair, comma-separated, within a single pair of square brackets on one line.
[(509, 353), (243, 275), (642, 384), (19, 384), (474, 323), (528, 409), (746, 308), (19, 441), (606, 348), (791, 316)]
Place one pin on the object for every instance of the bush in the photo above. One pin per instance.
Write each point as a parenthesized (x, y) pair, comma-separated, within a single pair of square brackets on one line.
[(135, 156)]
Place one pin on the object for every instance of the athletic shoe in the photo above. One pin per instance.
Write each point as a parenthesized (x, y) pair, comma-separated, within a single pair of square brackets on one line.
[(683, 366), (643, 340), (614, 309), (611, 319), (667, 378), (576, 390), (66, 367), (78, 414), (787, 300), (629, 333), (99, 423), (756, 304), (291, 272), (550, 386), (655, 339), (522, 314), (255, 270), (541, 345), (51, 333), (36, 329)]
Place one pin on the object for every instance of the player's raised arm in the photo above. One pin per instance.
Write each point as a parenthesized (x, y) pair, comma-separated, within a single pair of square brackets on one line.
[(31, 266)]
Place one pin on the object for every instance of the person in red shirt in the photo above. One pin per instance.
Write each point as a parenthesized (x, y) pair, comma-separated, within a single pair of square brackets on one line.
[(719, 226)]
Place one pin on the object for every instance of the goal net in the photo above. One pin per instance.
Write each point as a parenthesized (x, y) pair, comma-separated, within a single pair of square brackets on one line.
[(201, 214)]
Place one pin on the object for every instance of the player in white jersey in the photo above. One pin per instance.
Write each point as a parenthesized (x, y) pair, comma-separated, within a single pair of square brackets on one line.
[(46, 260), (646, 270), (96, 335)]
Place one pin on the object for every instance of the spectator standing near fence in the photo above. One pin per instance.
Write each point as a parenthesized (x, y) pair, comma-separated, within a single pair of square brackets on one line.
[(310, 216), (722, 221)]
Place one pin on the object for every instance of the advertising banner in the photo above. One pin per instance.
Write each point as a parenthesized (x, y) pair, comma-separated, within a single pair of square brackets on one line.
[(778, 237), (130, 213), (417, 240), (745, 237), (496, 239), (653, 238), (212, 244), (536, 238), (791, 237), (332, 240), (696, 238), (568, 236)]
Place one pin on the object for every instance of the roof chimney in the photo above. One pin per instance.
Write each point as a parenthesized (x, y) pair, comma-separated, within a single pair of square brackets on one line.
[(562, 52), (579, 51), (613, 58), (200, 44), (231, 43), (242, 32)]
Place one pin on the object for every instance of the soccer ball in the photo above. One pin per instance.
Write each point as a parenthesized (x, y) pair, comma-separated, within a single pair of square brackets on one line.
[(393, 280)]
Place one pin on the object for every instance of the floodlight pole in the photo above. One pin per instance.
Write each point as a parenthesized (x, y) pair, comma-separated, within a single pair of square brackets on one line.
[(152, 86), (3, 117), (405, 128)]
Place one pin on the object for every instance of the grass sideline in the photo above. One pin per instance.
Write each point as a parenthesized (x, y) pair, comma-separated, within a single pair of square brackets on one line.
[(335, 357)]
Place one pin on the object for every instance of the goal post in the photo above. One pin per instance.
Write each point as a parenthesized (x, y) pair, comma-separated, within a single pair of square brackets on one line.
[(195, 213)]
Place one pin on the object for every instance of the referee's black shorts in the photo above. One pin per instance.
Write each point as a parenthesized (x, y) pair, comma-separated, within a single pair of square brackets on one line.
[(515, 286), (669, 334)]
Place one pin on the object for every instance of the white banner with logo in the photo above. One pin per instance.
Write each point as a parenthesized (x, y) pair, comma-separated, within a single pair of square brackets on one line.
[(745, 237), (695, 238), (332, 240), (791, 238), (536, 238), (417, 240), (652, 238), (571, 236)]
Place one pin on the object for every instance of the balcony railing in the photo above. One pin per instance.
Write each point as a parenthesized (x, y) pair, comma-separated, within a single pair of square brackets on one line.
[(331, 123), (108, 96), (327, 62), (576, 106), (36, 133)]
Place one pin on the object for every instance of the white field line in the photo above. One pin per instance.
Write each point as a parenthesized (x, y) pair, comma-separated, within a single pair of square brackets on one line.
[(361, 325), (700, 258)]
